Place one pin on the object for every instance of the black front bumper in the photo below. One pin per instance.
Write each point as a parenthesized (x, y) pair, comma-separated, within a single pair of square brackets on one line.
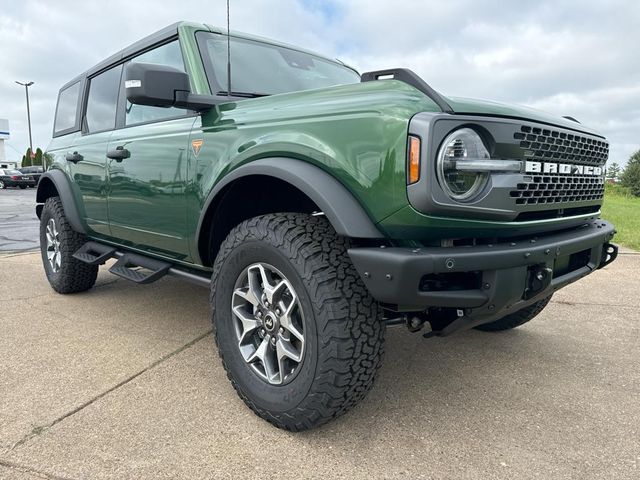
[(484, 282)]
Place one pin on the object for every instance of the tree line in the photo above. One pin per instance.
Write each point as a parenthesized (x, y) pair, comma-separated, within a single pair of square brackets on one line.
[(629, 176), (40, 158)]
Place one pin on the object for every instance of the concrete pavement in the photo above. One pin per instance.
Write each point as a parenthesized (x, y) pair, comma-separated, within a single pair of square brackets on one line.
[(19, 226), (123, 381)]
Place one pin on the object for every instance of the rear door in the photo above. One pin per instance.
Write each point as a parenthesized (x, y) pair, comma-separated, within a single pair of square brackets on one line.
[(87, 162), (147, 189)]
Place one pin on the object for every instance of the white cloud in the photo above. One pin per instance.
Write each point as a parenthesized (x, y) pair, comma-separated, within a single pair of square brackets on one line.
[(569, 57)]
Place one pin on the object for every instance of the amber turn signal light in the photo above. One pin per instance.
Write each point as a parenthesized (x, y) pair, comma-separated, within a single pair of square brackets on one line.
[(413, 160)]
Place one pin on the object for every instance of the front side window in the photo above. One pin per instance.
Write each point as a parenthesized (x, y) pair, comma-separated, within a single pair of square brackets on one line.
[(168, 55), (266, 69), (66, 111), (102, 101)]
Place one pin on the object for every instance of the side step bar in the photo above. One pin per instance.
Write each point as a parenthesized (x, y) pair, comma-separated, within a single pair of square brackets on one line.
[(94, 253), (135, 267), (128, 266)]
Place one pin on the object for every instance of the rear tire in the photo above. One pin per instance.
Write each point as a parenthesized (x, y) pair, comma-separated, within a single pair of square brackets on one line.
[(340, 332), (516, 319), (22, 187), (58, 243)]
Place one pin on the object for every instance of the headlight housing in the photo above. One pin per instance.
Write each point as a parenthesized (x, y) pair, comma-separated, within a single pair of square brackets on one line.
[(462, 145)]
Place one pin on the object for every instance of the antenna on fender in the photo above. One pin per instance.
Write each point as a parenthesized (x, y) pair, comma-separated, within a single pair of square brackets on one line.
[(228, 54)]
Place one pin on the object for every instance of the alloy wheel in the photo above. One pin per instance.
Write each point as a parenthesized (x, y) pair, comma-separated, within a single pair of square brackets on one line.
[(269, 323), (53, 246)]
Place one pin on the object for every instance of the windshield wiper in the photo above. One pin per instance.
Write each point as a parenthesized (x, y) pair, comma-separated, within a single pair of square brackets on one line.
[(243, 94)]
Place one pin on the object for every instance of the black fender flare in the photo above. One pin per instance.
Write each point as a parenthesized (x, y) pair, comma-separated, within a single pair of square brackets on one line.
[(343, 211), (62, 185)]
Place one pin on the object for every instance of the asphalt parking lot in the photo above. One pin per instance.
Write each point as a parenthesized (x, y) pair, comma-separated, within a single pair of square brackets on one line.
[(124, 381), (18, 221)]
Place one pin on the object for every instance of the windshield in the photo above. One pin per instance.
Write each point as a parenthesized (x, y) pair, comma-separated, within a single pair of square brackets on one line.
[(264, 69), (12, 172)]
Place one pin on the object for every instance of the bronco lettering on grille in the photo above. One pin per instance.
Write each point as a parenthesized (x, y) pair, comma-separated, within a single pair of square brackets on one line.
[(562, 168)]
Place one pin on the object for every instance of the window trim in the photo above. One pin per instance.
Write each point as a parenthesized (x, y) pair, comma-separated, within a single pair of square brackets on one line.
[(76, 125), (121, 105), (84, 128)]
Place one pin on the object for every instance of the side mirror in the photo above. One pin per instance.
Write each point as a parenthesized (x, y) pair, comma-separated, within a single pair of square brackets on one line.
[(161, 86)]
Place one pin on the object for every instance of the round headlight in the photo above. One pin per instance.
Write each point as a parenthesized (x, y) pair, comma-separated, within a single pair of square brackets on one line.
[(459, 184)]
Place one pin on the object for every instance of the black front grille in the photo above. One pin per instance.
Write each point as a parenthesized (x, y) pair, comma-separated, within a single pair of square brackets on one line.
[(546, 144), (550, 189)]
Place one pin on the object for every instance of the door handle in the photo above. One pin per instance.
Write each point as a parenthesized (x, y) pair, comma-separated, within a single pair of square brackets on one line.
[(74, 157), (119, 154)]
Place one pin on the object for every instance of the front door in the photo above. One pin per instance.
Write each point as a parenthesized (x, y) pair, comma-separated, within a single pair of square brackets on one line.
[(147, 188)]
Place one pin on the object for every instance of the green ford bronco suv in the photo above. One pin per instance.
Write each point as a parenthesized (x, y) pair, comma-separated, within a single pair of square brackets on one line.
[(317, 204)]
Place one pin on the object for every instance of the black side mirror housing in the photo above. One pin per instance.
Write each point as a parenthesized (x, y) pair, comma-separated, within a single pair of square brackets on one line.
[(162, 86)]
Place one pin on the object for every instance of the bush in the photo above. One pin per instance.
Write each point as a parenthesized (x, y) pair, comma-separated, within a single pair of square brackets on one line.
[(38, 158), (617, 190), (631, 175)]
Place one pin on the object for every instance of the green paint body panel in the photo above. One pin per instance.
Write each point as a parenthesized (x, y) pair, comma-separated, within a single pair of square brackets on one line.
[(153, 201), (497, 109)]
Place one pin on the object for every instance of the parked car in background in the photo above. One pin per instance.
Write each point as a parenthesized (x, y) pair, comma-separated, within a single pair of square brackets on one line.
[(34, 172), (15, 178)]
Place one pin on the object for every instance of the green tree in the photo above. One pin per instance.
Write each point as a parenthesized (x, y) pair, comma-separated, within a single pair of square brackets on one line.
[(631, 175), (613, 171), (38, 158), (26, 158)]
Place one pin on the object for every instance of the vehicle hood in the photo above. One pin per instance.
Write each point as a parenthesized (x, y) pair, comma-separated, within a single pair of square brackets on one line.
[(472, 106)]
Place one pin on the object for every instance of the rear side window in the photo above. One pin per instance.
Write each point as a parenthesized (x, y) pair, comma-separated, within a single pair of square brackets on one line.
[(168, 55), (102, 100), (66, 111)]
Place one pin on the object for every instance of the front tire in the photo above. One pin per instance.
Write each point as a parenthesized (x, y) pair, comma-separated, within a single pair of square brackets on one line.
[(516, 319), (58, 243), (284, 288)]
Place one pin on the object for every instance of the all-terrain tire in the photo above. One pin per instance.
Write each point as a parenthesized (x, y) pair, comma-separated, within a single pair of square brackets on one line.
[(515, 319), (343, 324), (72, 275)]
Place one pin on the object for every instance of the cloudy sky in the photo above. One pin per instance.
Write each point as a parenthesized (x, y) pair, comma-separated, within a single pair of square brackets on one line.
[(579, 58)]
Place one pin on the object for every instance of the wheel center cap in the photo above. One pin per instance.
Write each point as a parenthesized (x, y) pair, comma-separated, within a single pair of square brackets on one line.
[(269, 322)]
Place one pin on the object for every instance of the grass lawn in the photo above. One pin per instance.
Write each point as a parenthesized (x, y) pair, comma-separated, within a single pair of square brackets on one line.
[(624, 212)]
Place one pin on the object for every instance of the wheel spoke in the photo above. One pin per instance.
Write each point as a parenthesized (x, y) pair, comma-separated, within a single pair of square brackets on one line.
[(262, 354), (272, 291), (50, 237), (285, 349), (256, 277), (248, 295), (248, 322), (286, 320)]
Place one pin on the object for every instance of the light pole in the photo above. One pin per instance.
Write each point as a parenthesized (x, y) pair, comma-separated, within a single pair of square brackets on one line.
[(26, 86)]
